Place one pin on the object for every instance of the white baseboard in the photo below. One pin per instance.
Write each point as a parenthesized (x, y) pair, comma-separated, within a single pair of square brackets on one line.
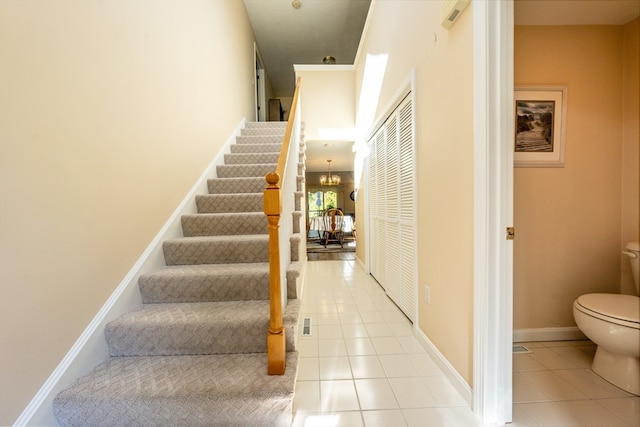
[(548, 334), (449, 371), (91, 348)]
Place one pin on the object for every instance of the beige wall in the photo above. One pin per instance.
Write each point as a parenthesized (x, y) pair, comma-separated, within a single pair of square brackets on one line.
[(110, 112), (630, 144), (569, 220), (444, 138), (327, 100)]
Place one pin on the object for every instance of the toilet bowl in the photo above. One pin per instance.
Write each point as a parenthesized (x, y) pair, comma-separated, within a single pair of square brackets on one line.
[(612, 322)]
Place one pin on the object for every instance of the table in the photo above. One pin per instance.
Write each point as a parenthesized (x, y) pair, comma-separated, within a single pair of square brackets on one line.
[(317, 224)]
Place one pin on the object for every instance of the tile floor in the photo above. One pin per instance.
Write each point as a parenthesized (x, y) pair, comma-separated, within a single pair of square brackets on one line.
[(362, 366)]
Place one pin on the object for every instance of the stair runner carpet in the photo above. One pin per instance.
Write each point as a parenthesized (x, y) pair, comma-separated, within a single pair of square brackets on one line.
[(194, 353)]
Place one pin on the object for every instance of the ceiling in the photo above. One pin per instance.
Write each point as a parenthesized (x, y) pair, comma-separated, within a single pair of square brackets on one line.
[(339, 152), (286, 36)]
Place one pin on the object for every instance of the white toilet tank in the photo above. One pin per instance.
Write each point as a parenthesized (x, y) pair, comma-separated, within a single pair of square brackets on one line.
[(633, 252)]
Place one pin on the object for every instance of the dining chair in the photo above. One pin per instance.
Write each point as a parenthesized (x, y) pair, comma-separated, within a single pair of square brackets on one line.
[(333, 220)]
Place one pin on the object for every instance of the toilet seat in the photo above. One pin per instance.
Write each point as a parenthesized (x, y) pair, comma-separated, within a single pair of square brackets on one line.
[(623, 310)]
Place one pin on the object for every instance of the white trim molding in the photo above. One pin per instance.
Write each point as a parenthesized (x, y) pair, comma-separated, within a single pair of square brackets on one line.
[(447, 368), (91, 348), (548, 334), (323, 67), (493, 210)]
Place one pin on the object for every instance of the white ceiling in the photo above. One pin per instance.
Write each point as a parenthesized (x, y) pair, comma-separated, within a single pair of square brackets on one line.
[(339, 152), (286, 36)]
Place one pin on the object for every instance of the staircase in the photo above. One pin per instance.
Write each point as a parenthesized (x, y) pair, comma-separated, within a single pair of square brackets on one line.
[(194, 353)]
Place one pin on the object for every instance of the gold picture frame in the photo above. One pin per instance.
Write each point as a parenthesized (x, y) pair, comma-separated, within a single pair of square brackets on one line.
[(540, 126)]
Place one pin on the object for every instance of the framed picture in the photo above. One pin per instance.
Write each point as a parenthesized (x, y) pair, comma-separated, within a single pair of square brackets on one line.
[(540, 126)]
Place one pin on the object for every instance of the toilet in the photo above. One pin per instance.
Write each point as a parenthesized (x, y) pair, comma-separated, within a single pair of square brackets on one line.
[(612, 322)]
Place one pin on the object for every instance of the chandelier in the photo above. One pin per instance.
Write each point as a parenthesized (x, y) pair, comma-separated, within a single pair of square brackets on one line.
[(331, 179)]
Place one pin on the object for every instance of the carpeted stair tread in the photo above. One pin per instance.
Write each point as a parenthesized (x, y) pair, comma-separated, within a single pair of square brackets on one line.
[(213, 282), (202, 390), (270, 124), (251, 158), (293, 274), (217, 249), (259, 139), (297, 220), (224, 203), (262, 132), (255, 184), (236, 171), (220, 224), (296, 246), (206, 282), (255, 148), (197, 328)]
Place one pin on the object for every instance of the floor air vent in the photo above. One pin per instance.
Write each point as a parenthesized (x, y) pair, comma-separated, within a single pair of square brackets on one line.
[(520, 349), (306, 327)]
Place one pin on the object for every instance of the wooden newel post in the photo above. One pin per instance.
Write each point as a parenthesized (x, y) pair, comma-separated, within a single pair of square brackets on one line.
[(276, 342)]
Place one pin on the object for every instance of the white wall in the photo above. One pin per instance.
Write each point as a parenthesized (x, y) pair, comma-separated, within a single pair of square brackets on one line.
[(110, 111)]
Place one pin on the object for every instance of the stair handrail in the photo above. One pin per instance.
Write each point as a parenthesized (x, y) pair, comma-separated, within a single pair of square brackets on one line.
[(282, 180)]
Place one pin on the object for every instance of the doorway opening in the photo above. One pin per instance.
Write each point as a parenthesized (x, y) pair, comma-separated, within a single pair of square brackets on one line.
[(318, 201), (259, 79)]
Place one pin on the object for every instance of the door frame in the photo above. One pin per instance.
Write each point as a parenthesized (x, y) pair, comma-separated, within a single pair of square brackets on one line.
[(493, 211), (259, 79)]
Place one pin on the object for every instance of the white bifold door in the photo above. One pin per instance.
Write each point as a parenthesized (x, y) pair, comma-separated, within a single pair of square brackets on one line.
[(392, 208)]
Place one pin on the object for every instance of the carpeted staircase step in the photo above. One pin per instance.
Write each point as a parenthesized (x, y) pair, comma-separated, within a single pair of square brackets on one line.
[(293, 274), (208, 282), (248, 131), (236, 185), (260, 139), (206, 390), (296, 246), (238, 171), (221, 203), (250, 158), (221, 224), (197, 328), (297, 221), (255, 148), (212, 282), (269, 124), (217, 249)]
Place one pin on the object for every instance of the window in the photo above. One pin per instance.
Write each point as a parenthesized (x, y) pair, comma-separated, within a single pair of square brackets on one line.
[(318, 201)]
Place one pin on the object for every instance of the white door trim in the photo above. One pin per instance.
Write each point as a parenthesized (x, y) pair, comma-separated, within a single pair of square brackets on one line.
[(259, 80), (493, 210)]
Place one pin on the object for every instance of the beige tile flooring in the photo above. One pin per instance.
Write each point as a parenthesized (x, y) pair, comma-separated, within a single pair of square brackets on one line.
[(362, 366)]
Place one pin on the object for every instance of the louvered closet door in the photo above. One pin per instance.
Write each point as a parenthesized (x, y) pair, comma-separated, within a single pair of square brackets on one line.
[(407, 212), (392, 208), (373, 211), (392, 225), (379, 252)]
